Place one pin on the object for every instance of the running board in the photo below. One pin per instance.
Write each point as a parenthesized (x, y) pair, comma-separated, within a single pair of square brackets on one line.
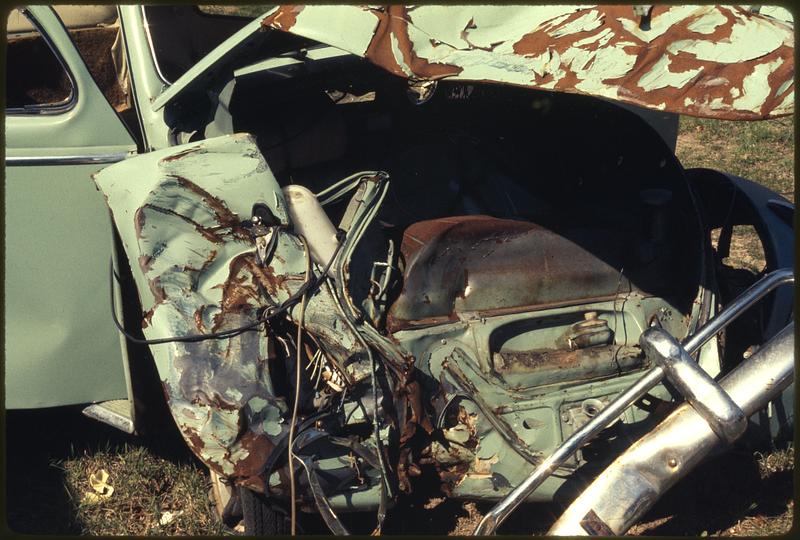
[(116, 413)]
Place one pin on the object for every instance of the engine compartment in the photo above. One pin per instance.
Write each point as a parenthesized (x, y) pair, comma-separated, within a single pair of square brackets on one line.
[(593, 174), (524, 242)]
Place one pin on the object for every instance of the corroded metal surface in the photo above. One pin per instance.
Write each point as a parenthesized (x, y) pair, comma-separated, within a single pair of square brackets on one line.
[(716, 61), (180, 213), (479, 263)]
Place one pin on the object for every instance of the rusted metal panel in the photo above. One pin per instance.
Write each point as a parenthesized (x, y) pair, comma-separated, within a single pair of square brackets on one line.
[(485, 264), (722, 62)]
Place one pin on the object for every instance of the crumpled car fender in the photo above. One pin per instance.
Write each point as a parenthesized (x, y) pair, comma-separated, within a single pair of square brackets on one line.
[(179, 213)]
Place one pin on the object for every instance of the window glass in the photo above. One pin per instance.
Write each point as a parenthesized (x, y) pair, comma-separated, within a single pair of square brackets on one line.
[(182, 35), (35, 77)]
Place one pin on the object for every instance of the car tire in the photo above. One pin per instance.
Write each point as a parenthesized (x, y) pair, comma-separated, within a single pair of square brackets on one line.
[(261, 516)]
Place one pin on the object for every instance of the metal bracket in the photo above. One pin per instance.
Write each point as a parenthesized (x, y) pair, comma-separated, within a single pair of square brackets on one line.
[(644, 12), (700, 390)]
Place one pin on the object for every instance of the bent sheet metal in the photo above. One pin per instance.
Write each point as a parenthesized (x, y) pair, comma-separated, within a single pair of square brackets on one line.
[(723, 62), (179, 213)]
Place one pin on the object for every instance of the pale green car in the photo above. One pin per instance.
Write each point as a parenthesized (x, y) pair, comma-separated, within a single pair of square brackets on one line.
[(512, 227)]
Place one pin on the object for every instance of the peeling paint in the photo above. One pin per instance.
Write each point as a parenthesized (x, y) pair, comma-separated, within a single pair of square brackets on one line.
[(596, 50), (198, 261)]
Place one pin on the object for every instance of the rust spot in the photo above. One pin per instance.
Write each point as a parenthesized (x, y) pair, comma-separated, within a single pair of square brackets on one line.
[(228, 223), (240, 292), (165, 391), (209, 260), (259, 448), (595, 526), (159, 295), (283, 19), (419, 416), (393, 23), (145, 263), (487, 265), (147, 316), (254, 483), (196, 444), (180, 155), (198, 320), (710, 93), (225, 217), (215, 401), (451, 476), (138, 222)]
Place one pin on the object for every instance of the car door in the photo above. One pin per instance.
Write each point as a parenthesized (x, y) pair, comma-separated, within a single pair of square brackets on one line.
[(61, 344)]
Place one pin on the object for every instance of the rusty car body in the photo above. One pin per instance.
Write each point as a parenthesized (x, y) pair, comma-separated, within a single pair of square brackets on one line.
[(369, 245)]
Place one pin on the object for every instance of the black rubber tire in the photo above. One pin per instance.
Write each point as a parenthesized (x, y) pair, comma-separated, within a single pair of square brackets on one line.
[(261, 517)]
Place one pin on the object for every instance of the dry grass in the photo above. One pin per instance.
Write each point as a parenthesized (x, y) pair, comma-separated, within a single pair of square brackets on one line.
[(760, 151), (152, 495)]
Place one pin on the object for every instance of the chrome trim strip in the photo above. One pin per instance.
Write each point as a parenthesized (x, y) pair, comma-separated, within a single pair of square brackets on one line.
[(146, 26), (97, 412), (89, 159)]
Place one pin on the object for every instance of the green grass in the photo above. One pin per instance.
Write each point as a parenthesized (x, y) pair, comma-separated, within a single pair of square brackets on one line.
[(760, 151), (147, 489)]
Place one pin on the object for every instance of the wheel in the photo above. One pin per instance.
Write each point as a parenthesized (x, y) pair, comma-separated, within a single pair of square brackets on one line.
[(261, 517)]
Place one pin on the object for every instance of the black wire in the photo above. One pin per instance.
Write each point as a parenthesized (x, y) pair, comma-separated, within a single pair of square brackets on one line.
[(311, 286)]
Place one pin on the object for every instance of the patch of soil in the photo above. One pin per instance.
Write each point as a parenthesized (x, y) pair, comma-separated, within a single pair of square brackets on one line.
[(94, 44)]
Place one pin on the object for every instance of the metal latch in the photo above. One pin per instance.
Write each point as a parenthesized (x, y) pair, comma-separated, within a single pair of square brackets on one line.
[(262, 225)]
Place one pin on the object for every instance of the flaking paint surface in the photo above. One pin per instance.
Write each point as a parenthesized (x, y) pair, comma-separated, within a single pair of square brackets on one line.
[(179, 213), (715, 61)]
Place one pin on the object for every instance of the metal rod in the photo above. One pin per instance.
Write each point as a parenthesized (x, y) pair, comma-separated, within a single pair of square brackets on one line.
[(616, 407)]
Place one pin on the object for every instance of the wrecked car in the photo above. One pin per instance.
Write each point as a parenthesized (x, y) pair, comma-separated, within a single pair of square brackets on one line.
[(355, 247)]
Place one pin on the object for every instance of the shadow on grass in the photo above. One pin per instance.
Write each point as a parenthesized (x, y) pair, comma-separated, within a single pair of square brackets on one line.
[(37, 500)]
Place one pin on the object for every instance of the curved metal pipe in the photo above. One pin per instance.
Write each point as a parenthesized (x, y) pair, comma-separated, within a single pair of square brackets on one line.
[(616, 407), (621, 495)]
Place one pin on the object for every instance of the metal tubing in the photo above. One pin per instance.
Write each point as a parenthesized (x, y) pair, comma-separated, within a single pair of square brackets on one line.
[(616, 407), (702, 392), (756, 292), (620, 496)]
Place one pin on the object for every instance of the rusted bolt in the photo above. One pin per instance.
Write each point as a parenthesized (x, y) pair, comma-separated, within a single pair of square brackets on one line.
[(590, 315), (672, 462)]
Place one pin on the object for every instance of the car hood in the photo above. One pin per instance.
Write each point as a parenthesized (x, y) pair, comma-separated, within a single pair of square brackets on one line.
[(723, 62)]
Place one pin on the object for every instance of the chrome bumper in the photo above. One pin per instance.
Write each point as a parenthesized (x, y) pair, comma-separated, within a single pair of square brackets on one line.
[(610, 412), (621, 495)]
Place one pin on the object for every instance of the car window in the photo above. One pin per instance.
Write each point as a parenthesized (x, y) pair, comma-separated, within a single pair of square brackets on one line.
[(182, 35), (36, 78)]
